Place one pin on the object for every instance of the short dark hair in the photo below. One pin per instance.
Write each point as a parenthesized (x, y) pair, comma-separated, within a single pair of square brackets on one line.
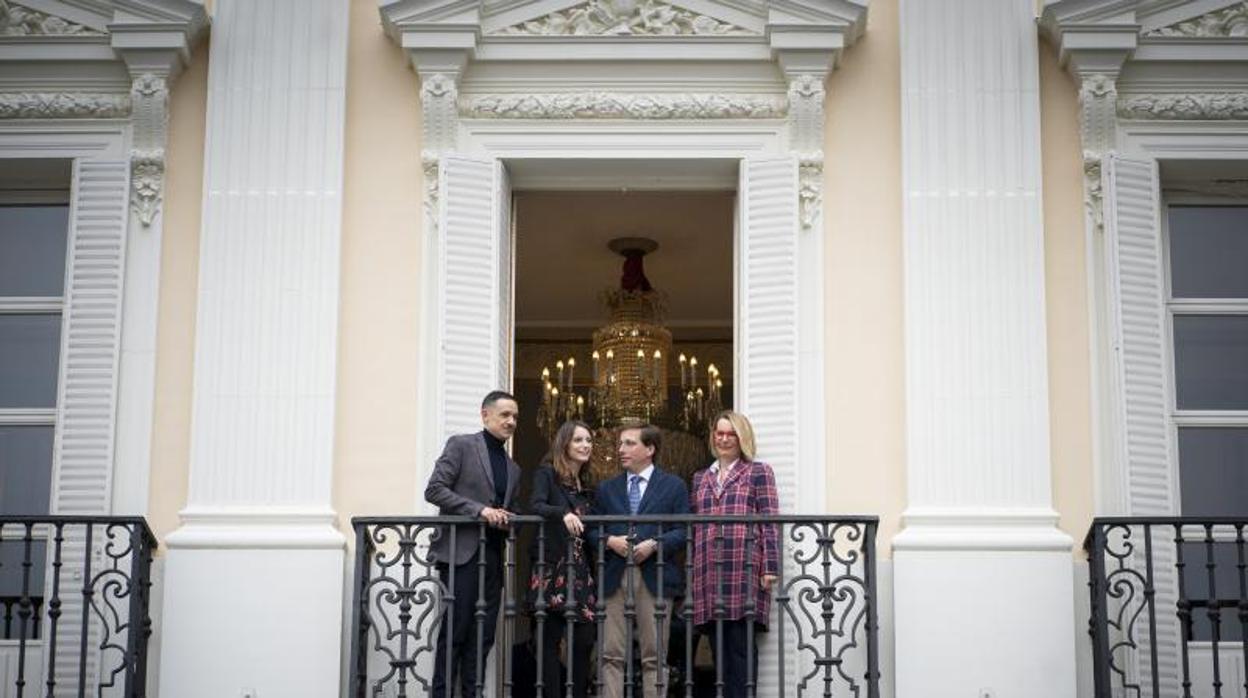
[(650, 435), (495, 395)]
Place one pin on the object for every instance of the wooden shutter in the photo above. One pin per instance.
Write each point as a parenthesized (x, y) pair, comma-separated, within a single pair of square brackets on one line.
[(767, 322), (767, 348), (87, 405), (474, 281), (1137, 299)]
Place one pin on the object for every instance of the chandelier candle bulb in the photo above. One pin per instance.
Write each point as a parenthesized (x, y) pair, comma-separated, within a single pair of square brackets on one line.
[(594, 356), (684, 380), (693, 372), (571, 371)]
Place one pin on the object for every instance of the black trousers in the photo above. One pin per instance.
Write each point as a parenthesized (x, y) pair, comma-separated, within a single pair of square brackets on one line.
[(462, 625), (584, 635), (736, 659)]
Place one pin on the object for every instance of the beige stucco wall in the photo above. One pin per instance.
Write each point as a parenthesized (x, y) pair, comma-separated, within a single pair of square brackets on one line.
[(375, 439), (1070, 369), (862, 219), (179, 275), (378, 353)]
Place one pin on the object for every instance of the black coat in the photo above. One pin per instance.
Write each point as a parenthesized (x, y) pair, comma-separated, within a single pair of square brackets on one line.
[(552, 501)]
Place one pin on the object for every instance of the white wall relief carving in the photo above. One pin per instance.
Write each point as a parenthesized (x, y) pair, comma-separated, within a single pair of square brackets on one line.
[(149, 95), (63, 105), (1227, 22), (1212, 106), (1098, 97), (624, 17), (613, 105), (16, 20), (806, 96), (438, 96)]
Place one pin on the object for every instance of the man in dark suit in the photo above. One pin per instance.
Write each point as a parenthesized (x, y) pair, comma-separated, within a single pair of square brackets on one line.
[(631, 571), (474, 477)]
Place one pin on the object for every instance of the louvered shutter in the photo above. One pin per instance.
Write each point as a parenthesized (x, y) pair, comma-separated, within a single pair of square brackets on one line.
[(87, 400), (1135, 273), (767, 324), (474, 279), (767, 346)]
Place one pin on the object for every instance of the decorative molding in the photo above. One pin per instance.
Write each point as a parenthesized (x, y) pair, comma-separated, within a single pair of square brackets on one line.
[(810, 188), (625, 18), (438, 96), (429, 162), (16, 20), (1228, 22), (63, 105), (1210, 106), (806, 97), (1230, 188), (1093, 196), (1098, 121), (616, 105), (149, 95)]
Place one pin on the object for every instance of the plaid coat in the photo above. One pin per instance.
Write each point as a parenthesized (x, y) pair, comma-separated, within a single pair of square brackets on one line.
[(750, 489)]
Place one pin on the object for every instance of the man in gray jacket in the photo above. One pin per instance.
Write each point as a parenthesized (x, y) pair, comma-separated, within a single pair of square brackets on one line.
[(474, 477)]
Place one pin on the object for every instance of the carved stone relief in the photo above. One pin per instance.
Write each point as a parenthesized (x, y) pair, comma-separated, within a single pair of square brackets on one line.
[(149, 94), (63, 105), (1200, 106), (625, 17), (438, 96), (806, 96), (16, 20), (1227, 22), (1098, 96), (608, 105)]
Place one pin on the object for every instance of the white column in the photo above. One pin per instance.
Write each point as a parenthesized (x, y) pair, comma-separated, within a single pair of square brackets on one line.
[(254, 578), (983, 578)]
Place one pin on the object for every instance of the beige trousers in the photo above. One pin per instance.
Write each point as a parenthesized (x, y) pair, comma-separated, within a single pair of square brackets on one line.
[(650, 633)]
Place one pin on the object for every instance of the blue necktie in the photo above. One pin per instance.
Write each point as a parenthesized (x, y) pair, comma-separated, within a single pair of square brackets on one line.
[(634, 493)]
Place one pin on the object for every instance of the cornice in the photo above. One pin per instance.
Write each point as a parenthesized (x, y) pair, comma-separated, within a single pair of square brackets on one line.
[(616, 18), (1209, 106), (1227, 22), (18, 20), (63, 105), (615, 105)]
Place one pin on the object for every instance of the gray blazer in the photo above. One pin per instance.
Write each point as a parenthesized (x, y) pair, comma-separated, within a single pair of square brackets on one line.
[(462, 484)]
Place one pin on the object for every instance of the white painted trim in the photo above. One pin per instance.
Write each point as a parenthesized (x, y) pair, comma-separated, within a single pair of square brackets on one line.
[(1001, 529), (1193, 418), (97, 139), (14, 305), (22, 417), (257, 528)]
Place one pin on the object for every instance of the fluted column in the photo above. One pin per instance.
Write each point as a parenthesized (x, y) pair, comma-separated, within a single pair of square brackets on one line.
[(980, 530), (257, 564)]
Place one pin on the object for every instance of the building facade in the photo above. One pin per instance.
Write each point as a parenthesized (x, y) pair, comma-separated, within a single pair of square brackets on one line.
[(987, 282)]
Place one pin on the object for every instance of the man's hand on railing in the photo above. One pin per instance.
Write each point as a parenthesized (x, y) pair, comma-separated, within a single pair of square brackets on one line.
[(643, 550), (495, 517), (618, 545)]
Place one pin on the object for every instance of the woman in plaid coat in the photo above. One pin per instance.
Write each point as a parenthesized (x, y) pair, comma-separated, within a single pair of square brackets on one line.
[(734, 563)]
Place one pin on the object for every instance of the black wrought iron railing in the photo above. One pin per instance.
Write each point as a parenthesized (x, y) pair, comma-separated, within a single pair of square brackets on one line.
[(821, 640), (1169, 606), (75, 592)]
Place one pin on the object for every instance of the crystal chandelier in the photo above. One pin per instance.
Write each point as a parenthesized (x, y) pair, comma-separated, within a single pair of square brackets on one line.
[(628, 363)]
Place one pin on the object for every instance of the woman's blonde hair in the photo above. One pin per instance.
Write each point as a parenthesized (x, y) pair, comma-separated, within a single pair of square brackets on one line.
[(565, 468), (745, 433)]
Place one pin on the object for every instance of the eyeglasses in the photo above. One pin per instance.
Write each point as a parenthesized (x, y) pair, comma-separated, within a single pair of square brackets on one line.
[(726, 435)]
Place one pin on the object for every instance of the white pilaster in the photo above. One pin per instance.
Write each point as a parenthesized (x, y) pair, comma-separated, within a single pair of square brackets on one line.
[(980, 543), (253, 598)]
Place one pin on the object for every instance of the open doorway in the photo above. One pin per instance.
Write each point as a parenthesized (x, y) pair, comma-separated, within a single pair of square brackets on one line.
[(571, 249)]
